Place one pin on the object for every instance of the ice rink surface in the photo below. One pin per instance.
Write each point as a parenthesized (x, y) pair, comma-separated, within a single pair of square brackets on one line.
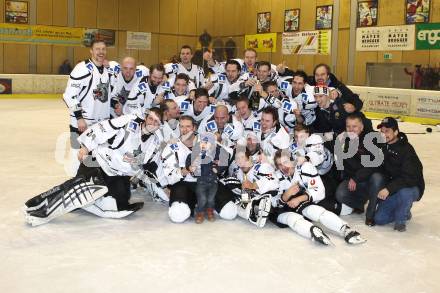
[(145, 252)]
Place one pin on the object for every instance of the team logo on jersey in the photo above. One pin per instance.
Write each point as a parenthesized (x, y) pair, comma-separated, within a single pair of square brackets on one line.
[(138, 73), (284, 85), (293, 147), (166, 86), (212, 126), (256, 127), (222, 78), (175, 67), (100, 93), (142, 87), (90, 67), (312, 182), (184, 106), (257, 167), (287, 107), (174, 147), (212, 109), (117, 69), (229, 130), (304, 98), (132, 126)]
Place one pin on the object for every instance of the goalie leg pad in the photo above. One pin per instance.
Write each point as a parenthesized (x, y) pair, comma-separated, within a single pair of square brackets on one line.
[(229, 211), (179, 212), (73, 194), (106, 207)]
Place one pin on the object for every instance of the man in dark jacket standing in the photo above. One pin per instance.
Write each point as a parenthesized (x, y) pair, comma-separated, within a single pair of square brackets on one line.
[(404, 174)]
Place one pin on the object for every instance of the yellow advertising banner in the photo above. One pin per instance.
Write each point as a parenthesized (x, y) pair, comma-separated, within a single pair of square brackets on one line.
[(261, 42), (41, 34)]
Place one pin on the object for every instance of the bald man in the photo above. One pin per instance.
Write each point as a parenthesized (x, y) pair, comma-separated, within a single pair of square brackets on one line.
[(227, 129), (123, 80)]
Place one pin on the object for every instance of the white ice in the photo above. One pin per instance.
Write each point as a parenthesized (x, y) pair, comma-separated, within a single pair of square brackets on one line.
[(79, 252)]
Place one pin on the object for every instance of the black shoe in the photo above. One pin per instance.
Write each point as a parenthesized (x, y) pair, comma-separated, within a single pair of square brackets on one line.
[(400, 227), (358, 211), (370, 222)]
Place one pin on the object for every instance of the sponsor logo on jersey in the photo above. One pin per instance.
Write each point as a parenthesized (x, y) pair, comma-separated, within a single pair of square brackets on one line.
[(142, 87), (132, 126), (304, 98), (212, 126), (77, 85), (284, 85), (166, 86), (117, 69), (257, 167), (101, 127), (256, 127), (287, 107), (138, 73), (212, 109), (184, 106), (312, 182)]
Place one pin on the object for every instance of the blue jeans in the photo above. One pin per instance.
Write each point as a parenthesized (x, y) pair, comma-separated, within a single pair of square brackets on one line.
[(365, 191), (205, 192), (396, 207)]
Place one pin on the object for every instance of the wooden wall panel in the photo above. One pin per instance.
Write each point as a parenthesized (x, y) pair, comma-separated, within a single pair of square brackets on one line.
[(122, 44), (397, 57), (44, 12), (342, 63), (59, 54), (86, 13), (59, 10), (187, 23), (277, 16), (169, 13), (149, 18), (308, 11), (362, 58), (129, 15), (422, 57), (152, 56), (391, 12), (167, 48), (205, 16), (250, 17), (44, 59), (16, 58), (435, 11), (107, 14), (80, 54), (344, 14)]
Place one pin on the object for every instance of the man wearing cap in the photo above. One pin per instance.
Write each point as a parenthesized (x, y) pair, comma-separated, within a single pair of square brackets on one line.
[(404, 174)]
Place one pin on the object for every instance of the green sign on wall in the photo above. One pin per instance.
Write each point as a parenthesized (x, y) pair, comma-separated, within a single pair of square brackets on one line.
[(428, 36)]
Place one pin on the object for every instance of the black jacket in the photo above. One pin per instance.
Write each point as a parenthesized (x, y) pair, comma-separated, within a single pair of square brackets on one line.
[(353, 167), (333, 118), (402, 166)]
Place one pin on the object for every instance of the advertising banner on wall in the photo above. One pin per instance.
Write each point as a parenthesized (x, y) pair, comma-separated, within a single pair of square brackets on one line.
[(92, 34), (427, 105), (386, 38), (41, 34), (388, 103), (428, 36), (139, 40), (261, 42), (307, 43)]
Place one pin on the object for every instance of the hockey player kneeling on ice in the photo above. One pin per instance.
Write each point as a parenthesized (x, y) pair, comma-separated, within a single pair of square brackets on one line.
[(121, 147), (258, 184), (181, 182), (300, 188)]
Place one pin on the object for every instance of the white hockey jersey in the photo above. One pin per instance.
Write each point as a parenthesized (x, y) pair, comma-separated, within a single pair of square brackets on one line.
[(172, 159), (318, 155), (231, 133), (141, 96), (261, 174), (222, 89), (276, 139), (187, 108), (195, 72), (305, 101), (308, 179), (119, 146), (87, 94)]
